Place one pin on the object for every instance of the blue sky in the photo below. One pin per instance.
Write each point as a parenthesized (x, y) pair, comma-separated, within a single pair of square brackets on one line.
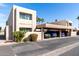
[(48, 11)]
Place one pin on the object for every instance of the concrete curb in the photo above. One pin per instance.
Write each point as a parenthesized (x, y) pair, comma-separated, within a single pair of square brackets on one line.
[(56, 38)]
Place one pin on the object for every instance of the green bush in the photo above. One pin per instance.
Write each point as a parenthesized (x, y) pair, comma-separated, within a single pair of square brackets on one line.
[(18, 35), (33, 37)]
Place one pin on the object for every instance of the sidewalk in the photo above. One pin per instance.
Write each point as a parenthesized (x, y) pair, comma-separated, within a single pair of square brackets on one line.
[(3, 42)]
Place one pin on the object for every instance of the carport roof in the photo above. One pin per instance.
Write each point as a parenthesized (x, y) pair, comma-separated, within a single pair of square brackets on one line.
[(54, 26)]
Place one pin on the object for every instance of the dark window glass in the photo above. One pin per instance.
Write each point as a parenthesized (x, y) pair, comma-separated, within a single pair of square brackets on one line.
[(26, 29), (25, 16), (70, 24)]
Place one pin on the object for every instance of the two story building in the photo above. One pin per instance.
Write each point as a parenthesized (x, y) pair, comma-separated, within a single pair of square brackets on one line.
[(20, 19)]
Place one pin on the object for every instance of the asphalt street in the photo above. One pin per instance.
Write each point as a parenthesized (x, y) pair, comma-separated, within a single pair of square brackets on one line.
[(41, 47), (72, 52), (6, 51), (46, 46)]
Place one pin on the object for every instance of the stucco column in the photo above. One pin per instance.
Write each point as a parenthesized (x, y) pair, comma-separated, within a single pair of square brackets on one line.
[(70, 32), (42, 33), (59, 33), (7, 33)]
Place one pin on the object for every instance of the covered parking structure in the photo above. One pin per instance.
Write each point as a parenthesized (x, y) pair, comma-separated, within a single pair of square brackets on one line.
[(53, 30)]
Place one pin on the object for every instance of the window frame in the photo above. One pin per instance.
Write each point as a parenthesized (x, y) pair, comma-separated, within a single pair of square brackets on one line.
[(25, 16)]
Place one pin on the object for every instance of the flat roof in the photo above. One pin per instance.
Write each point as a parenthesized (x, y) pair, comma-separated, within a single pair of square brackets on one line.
[(54, 26), (16, 6)]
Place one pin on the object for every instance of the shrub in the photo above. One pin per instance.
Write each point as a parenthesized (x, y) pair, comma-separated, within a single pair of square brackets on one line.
[(33, 37), (18, 35)]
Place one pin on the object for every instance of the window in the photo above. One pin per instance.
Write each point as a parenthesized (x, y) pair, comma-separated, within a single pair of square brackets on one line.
[(70, 24), (25, 16), (26, 29)]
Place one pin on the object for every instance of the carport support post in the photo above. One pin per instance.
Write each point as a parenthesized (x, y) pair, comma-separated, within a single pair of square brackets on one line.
[(59, 33), (42, 33)]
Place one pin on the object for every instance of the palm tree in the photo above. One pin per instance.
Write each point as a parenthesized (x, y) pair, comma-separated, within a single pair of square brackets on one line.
[(40, 20), (78, 20)]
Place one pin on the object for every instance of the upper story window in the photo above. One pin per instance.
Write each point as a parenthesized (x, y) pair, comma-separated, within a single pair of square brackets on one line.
[(25, 16), (70, 24)]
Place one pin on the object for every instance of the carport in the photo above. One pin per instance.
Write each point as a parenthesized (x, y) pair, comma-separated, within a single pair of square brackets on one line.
[(53, 30)]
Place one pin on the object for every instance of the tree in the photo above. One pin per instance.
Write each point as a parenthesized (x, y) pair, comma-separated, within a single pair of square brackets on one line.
[(56, 20), (0, 29), (78, 20), (40, 20)]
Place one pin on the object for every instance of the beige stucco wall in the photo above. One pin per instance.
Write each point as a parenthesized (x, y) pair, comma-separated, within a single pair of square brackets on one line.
[(9, 26), (38, 33), (7, 32), (62, 22), (73, 33), (14, 21), (25, 23), (58, 26)]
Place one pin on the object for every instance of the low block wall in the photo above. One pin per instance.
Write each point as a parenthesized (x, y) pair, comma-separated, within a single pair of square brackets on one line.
[(74, 33), (38, 33)]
